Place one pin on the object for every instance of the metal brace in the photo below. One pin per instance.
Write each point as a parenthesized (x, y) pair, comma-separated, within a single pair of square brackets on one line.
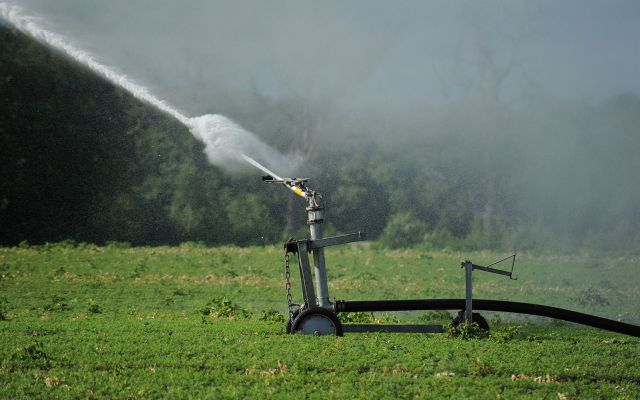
[(469, 267)]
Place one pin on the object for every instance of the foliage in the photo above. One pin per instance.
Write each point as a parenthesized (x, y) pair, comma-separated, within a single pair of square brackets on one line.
[(222, 307), (140, 347), (403, 230), (114, 244), (368, 318), (505, 334), (466, 331), (94, 308), (4, 308), (32, 355), (357, 318), (84, 162), (57, 303), (271, 315)]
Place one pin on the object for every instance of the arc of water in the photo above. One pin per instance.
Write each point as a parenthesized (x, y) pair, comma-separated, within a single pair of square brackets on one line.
[(29, 25), (32, 27)]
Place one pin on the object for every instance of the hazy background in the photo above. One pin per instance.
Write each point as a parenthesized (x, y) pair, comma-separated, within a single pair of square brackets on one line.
[(500, 123), (360, 53)]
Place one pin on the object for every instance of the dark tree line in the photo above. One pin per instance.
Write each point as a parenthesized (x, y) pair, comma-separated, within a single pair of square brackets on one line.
[(81, 159)]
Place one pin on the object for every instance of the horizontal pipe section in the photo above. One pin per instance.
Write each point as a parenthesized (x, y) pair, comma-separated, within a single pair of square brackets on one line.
[(392, 328), (489, 305), (492, 270), (399, 305), (336, 240)]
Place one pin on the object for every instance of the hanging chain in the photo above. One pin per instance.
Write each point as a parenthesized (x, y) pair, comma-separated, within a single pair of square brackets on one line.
[(287, 277)]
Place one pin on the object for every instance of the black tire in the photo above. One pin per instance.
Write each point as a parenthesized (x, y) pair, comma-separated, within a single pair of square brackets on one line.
[(476, 317), (317, 312)]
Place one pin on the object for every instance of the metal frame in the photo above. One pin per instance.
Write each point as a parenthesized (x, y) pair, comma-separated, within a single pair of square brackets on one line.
[(468, 270), (315, 290), (318, 281)]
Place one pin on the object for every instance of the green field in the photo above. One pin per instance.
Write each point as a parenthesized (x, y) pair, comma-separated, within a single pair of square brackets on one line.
[(177, 322)]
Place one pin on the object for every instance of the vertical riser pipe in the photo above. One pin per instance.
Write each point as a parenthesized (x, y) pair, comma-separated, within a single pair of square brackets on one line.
[(468, 314), (315, 226)]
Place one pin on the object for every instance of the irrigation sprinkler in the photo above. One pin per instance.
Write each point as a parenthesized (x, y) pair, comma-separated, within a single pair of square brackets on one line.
[(317, 315)]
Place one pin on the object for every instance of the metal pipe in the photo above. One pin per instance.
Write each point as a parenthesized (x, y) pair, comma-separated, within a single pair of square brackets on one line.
[(388, 328), (295, 189), (468, 313), (398, 305), (314, 219), (489, 305), (305, 275)]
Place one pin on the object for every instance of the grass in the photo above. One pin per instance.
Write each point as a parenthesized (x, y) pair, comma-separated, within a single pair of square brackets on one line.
[(178, 322)]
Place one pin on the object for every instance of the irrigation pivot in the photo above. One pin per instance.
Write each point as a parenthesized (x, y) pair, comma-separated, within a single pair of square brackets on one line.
[(227, 142), (317, 315), (318, 297)]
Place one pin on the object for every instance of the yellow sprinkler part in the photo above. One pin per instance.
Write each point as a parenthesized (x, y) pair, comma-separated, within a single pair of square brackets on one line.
[(297, 190)]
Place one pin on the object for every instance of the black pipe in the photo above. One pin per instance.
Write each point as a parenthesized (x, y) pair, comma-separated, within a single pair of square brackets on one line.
[(489, 305)]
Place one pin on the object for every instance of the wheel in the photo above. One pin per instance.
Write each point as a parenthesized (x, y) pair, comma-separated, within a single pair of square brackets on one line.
[(476, 317), (317, 321)]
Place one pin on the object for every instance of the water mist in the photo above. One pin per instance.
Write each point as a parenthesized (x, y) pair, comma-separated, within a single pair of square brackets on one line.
[(227, 144)]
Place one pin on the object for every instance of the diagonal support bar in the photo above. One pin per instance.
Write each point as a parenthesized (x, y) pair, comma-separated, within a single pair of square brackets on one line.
[(336, 240), (494, 270), (305, 274)]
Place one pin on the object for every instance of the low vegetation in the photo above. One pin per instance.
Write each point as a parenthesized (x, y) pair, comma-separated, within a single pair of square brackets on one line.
[(190, 321)]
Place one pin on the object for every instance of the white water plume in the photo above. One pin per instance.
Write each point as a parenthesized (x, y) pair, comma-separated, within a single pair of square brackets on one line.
[(226, 143), (32, 27)]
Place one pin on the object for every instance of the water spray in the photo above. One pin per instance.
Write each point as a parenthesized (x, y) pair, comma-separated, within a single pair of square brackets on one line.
[(260, 166), (33, 28), (224, 139)]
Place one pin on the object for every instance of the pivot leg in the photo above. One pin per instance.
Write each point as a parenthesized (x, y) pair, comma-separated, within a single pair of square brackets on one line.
[(468, 314), (314, 214)]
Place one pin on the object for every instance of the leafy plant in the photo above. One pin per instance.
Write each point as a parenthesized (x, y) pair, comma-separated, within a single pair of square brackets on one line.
[(368, 318), (403, 230), (169, 301), (357, 317), (94, 308), (466, 331), (4, 308), (271, 315), (481, 368), (193, 245), (32, 355), (504, 335), (222, 307), (180, 292), (141, 267), (114, 244), (58, 303)]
